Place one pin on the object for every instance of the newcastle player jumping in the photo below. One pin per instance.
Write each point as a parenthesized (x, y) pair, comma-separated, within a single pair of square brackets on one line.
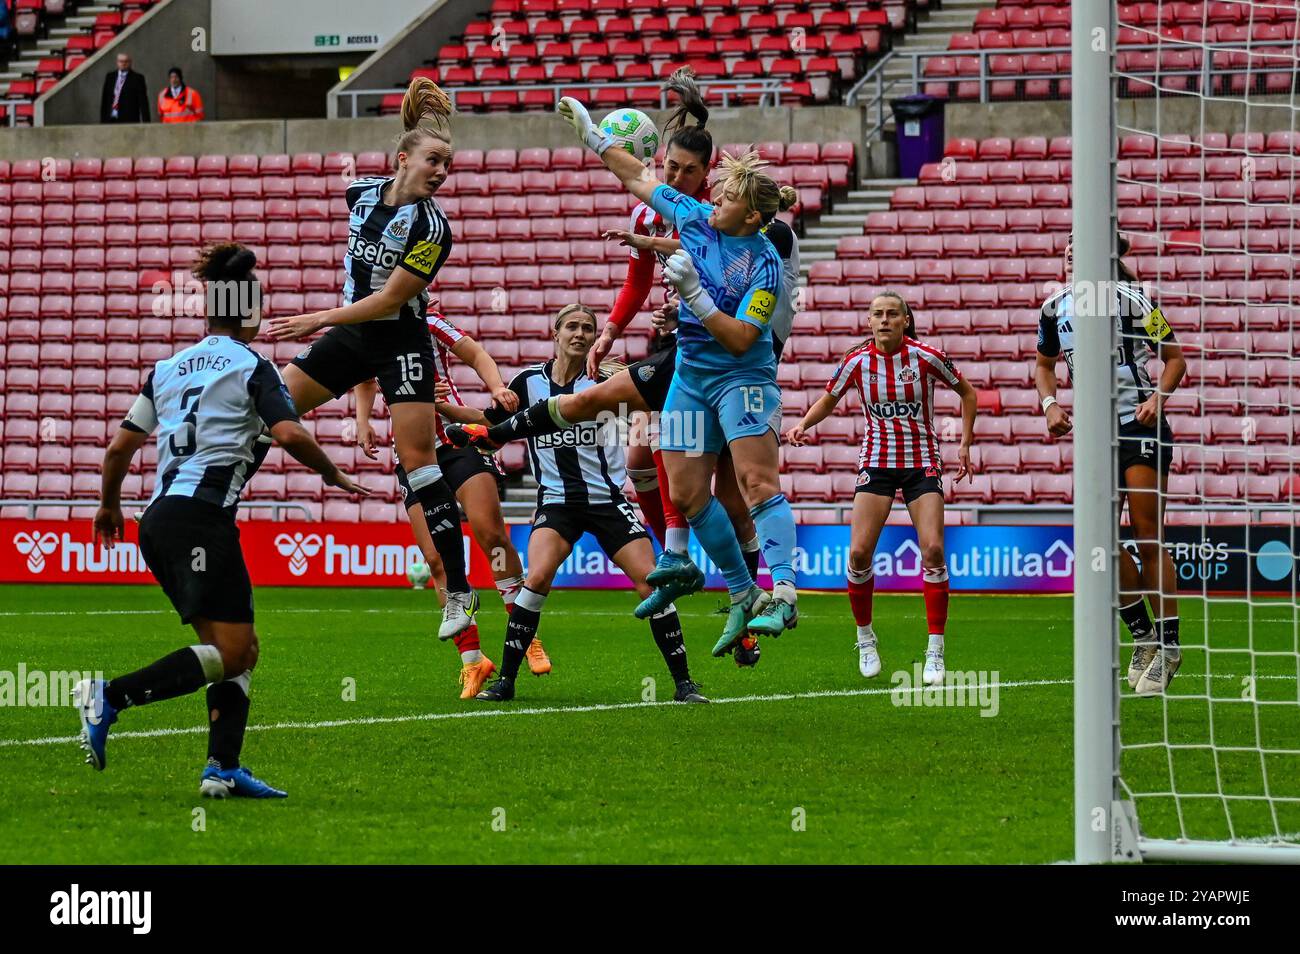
[(398, 239)]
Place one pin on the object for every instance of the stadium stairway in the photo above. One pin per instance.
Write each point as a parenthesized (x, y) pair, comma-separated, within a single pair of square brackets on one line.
[(933, 33), (820, 238)]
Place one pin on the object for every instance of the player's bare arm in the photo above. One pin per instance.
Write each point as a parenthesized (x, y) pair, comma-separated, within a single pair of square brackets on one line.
[(108, 523), (400, 288), (1058, 419)]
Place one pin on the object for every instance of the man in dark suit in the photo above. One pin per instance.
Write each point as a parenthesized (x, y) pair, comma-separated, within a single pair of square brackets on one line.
[(125, 99)]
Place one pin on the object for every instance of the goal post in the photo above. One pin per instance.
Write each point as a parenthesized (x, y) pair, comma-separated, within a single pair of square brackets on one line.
[(1186, 139), (1092, 126)]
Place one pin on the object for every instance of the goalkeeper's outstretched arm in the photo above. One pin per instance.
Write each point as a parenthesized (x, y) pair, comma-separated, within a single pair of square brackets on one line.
[(638, 179)]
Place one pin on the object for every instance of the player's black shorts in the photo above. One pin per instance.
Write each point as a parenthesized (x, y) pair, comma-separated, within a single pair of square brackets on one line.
[(613, 525), (458, 465), (192, 549), (1147, 446), (399, 353), (654, 376), (912, 481)]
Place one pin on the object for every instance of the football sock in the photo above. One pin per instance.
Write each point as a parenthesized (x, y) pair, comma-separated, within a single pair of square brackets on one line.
[(645, 481), (509, 587), (935, 642), (442, 516), (713, 530), (862, 587), (678, 540), (177, 674), (667, 631), (520, 630), (1137, 619), (228, 718), (774, 520), (468, 645), (750, 551), (534, 421), (936, 599), (673, 518), (1168, 632)]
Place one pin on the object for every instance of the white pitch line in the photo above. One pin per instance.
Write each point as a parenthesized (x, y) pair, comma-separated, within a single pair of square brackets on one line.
[(543, 710)]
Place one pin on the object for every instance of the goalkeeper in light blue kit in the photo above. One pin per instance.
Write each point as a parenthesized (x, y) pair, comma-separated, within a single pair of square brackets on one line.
[(728, 279)]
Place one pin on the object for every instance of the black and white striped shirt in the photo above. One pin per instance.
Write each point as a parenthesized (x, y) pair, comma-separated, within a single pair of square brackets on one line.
[(580, 466), (381, 237), (209, 403), (1141, 330)]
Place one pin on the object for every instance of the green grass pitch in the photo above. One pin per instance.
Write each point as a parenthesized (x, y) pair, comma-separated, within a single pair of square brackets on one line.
[(798, 761)]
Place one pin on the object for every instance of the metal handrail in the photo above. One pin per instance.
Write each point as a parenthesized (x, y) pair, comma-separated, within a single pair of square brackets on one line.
[(275, 506), (1206, 71), (769, 90), (13, 111)]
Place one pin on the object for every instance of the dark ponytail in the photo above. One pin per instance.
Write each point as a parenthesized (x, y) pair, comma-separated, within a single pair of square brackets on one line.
[(232, 292), (229, 262), (694, 139), (1122, 246)]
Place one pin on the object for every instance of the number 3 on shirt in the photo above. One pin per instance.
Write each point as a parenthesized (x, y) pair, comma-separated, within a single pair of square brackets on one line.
[(411, 366), (188, 443), (752, 395)]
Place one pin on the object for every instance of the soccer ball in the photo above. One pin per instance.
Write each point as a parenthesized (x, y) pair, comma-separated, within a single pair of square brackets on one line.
[(418, 574), (634, 131)]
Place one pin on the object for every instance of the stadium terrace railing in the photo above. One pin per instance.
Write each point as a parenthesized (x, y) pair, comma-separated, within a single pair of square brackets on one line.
[(275, 506), (768, 92), (11, 110), (873, 90)]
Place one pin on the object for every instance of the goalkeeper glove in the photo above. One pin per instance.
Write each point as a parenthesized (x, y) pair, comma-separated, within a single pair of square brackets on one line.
[(680, 270), (576, 115)]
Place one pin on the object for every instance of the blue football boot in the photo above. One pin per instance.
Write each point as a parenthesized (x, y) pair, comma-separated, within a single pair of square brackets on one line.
[(238, 782), (97, 716)]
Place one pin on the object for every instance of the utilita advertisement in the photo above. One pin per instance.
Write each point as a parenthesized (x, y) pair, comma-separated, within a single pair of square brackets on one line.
[(1019, 559)]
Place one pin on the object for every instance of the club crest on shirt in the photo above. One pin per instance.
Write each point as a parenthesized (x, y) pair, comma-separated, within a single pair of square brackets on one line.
[(399, 229), (907, 376)]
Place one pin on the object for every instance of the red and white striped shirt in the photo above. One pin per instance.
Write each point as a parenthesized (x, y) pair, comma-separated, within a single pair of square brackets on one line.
[(445, 335), (897, 392)]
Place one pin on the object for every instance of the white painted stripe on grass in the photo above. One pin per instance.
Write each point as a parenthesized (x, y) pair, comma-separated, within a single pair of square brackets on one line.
[(541, 710)]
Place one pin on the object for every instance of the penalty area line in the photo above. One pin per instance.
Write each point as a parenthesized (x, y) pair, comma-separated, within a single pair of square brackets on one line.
[(539, 710)]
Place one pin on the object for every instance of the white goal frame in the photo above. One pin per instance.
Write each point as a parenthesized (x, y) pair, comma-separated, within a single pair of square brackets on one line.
[(1106, 828)]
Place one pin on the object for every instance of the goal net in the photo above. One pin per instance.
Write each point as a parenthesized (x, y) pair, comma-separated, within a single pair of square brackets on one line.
[(1204, 186)]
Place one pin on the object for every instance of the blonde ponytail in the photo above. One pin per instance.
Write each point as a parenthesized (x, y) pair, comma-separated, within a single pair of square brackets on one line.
[(426, 111)]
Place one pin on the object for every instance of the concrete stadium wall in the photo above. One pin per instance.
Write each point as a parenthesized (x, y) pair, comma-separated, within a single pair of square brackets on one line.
[(159, 40), (508, 130), (519, 130)]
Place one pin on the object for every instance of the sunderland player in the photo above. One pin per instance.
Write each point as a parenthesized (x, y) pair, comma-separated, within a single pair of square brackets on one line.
[(474, 478), (398, 239), (1143, 460), (728, 278), (209, 404), (895, 376), (580, 474)]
